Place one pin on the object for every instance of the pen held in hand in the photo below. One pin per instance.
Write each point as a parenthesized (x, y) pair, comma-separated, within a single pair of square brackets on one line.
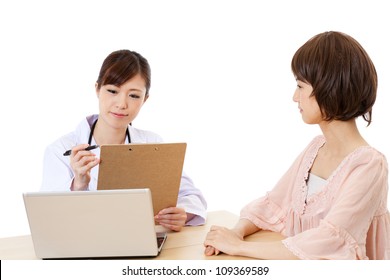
[(68, 152)]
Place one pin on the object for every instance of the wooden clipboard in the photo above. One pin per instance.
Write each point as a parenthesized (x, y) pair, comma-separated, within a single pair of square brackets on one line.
[(157, 166)]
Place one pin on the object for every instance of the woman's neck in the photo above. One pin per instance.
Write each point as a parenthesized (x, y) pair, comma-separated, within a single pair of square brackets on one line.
[(342, 137), (105, 134)]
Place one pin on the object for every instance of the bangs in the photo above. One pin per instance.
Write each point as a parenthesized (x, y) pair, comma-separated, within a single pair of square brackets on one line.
[(305, 64), (120, 72)]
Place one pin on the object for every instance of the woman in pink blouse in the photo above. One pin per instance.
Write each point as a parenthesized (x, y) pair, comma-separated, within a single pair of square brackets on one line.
[(332, 202)]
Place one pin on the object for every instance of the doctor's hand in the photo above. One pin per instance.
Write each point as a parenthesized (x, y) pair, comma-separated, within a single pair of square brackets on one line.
[(82, 162), (173, 218)]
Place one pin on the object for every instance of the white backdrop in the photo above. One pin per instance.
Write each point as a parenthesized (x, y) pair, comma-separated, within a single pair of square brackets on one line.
[(221, 81)]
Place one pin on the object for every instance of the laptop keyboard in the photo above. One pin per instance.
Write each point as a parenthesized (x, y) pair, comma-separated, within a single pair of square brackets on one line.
[(160, 241)]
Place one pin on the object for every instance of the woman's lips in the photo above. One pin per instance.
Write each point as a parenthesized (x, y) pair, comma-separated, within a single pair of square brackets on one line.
[(118, 115)]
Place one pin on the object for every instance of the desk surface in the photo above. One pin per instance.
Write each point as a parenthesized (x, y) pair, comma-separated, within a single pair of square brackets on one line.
[(184, 245)]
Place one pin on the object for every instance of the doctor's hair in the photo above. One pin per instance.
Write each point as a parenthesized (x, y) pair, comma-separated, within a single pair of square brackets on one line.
[(342, 75), (122, 65)]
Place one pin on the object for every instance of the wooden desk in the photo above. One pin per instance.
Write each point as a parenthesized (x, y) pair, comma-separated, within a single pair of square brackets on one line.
[(184, 245)]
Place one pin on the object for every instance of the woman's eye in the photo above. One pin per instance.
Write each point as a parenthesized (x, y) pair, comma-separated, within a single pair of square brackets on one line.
[(112, 91), (134, 95)]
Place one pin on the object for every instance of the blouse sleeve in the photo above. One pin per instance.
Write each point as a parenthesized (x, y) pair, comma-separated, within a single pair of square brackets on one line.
[(269, 212), (191, 199), (57, 174), (343, 231)]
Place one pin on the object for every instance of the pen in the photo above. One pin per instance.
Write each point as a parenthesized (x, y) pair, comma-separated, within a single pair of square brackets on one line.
[(68, 152)]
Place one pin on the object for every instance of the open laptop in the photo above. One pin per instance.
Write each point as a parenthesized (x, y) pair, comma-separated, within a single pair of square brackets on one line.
[(93, 224)]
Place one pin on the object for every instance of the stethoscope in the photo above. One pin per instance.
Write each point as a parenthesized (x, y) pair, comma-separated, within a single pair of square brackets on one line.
[(93, 128)]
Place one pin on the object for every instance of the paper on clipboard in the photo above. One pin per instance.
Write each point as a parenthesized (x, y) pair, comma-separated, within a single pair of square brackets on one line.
[(156, 166)]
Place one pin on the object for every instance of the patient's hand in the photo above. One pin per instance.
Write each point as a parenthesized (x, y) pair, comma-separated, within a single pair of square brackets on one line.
[(173, 218), (210, 250), (221, 239)]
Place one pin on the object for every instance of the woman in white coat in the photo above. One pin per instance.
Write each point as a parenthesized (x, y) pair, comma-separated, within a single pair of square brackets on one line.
[(122, 88)]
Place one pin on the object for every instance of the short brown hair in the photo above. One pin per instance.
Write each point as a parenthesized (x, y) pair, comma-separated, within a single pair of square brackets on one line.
[(122, 65), (342, 75)]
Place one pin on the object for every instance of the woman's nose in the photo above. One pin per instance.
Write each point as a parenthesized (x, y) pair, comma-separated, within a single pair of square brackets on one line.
[(121, 101), (295, 96)]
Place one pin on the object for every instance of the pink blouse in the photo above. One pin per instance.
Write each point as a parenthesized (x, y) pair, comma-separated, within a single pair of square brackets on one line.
[(347, 219)]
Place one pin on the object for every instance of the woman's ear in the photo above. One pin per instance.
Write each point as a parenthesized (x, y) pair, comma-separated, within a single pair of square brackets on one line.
[(146, 97), (97, 89)]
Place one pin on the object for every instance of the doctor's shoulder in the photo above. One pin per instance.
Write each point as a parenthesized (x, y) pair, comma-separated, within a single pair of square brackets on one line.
[(144, 136)]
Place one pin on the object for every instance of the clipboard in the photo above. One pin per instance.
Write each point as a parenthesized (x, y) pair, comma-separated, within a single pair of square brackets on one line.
[(156, 166)]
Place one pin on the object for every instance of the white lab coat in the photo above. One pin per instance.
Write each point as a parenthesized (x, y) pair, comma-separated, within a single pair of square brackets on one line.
[(58, 175)]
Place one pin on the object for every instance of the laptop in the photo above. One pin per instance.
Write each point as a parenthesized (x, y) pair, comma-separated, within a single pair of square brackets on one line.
[(157, 166), (93, 224)]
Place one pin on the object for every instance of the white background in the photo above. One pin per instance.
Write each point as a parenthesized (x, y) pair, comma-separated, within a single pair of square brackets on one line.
[(221, 81)]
